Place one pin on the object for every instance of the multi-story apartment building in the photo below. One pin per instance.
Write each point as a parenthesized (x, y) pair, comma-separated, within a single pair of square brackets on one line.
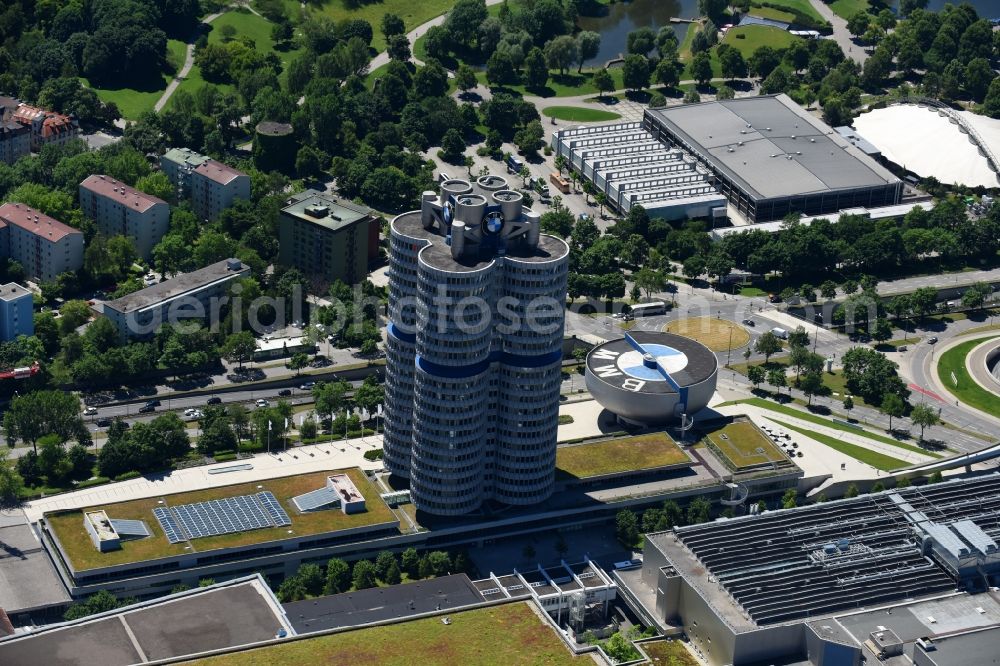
[(327, 238), (45, 247), (182, 298), (474, 349), (46, 127), (16, 311), (120, 210), (210, 185), (15, 138)]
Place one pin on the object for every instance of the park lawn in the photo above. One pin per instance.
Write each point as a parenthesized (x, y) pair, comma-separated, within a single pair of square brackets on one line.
[(744, 445), (132, 102), (845, 9), (749, 38), (579, 114), (803, 7), (828, 423), (967, 390), (624, 454), (68, 526), (751, 291), (413, 13), (773, 14), (873, 458), (716, 334), (562, 85), (510, 633), (249, 25), (669, 653)]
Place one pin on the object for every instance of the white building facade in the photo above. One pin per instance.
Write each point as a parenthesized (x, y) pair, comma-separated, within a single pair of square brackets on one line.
[(120, 210)]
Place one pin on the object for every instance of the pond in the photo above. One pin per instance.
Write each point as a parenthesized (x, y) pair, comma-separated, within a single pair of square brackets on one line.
[(624, 17)]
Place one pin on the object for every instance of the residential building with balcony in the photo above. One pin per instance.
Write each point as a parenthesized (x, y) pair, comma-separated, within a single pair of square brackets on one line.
[(120, 210), (44, 246)]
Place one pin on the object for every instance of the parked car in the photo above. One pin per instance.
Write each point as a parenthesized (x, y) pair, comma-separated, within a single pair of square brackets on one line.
[(285, 392), (146, 409), (90, 411), (214, 400)]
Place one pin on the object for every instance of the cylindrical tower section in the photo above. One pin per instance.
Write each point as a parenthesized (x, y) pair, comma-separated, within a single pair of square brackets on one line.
[(453, 188), (492, 183), (535, 289), (449, 422), (470, 209), (397, 441), (527, 423), (510, 203), (453, 309)]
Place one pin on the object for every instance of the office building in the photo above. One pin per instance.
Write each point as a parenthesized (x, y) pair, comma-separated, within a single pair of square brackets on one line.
[(770, 157), (327, 238), (16, 311), (476, 309), (185, 297), (120, 210), (44, 247), (211, 185)]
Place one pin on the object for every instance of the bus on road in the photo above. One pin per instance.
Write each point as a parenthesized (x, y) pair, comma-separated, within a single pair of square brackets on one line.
[(649, 309)]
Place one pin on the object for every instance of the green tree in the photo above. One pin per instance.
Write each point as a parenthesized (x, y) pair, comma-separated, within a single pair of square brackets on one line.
[(39, 413), (364, 575), (732, 63), (811, 384), (588, 45), (852, 491), (100, 602), (158, 185), (561, 52), (790, 499), (923, 415), (218, 436), (701, 68), (627, 527), (292, 589), (239, 347), (382, 562), (892, 406), (392, 575), (635, 72), (976, 295), (668, 72), (410, 561), (756, 374), (604, 83), (338, 577), (776, 378), (848, 404), (536, 71), (712, 8), (312, 578), (698, 511), (767, 344), (465, 78), (11, 485)]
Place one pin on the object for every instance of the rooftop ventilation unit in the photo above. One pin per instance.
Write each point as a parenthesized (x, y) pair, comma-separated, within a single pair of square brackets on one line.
[(317, 211)]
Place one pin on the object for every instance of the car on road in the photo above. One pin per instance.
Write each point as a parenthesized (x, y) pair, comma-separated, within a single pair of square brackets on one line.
[(932, 341), (147, 408), (90, 411), (749, 322), (192, 413), (103, 423), (285, 392), (902, 348), (153, 403), (307, 386), (214, 400), (262, 403)]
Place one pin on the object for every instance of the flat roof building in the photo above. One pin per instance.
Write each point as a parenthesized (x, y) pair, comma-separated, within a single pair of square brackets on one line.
[(44, 246), (770, 157), (29, 585), (211, 185), (184, 297), (630, 167), (120, 210), (327, 238), (16, 311), (746, 589)]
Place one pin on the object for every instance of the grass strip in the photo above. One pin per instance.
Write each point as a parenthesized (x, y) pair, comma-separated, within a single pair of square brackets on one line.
[(952, 363)]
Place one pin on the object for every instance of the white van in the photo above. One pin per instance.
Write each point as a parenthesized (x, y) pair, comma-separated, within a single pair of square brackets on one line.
[(780, 333)]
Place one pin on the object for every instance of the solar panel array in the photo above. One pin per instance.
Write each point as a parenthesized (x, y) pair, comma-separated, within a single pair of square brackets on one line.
[(317, 499), (222, 516), (130, 528)]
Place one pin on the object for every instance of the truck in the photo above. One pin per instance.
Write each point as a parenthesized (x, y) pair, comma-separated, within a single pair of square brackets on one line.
[(514, 164), (539, 186), (559, 182), (780, 333)]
